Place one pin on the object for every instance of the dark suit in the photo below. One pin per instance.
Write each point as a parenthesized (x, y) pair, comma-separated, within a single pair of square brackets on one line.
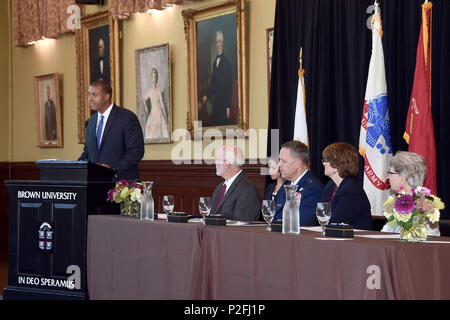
[(311, 193), (280, 197), (349, 204), (220, 90), (240, 202), (96, 72), (50, 120), (122, 145)]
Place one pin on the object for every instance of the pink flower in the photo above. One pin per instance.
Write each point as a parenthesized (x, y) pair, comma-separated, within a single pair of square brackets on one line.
[(111, 194), (404, 204), (426, 191), (123, 182)]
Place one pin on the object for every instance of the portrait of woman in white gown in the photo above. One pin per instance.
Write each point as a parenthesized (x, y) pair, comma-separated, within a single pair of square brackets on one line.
[(157, 125), (154, 105)]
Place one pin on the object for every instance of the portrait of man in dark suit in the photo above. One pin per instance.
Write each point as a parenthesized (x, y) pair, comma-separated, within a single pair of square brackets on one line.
[(48, 111), (220, 86), (99, 54), (49, 117), (217, 79)]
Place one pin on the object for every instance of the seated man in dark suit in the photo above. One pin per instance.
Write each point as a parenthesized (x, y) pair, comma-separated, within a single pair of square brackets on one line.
[(236, 198), (114, 136), (294, 166)]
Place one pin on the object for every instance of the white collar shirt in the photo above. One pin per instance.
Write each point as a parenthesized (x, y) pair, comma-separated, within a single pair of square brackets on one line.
[(105, 119), (298, 179), (230, 181)]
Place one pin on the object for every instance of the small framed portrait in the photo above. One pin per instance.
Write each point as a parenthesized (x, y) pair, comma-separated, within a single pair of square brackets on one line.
[(217, 66), (97, 47), (153, 94), (48, 111), (269, 40)]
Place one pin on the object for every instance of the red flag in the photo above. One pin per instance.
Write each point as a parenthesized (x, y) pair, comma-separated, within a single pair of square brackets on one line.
[(419, 132)]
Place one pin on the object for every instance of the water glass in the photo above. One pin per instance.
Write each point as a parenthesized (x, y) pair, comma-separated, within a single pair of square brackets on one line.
[(323, 214), (268, 212), (204, 206), (168, 204)]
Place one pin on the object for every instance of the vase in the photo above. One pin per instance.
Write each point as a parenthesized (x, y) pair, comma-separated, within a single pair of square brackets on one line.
[(414, 234), (147, 203), (291, 216), (130, 209)]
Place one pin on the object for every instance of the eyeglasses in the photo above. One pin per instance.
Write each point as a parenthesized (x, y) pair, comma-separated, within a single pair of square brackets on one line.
[(325, 160)]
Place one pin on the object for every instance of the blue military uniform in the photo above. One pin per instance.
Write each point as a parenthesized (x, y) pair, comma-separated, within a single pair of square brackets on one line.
[(311, 189)]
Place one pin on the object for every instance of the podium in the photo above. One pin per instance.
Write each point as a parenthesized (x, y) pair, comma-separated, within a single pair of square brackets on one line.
[(48, 229)]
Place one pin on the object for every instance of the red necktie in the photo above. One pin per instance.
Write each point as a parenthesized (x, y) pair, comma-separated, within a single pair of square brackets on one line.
[(222, 193)]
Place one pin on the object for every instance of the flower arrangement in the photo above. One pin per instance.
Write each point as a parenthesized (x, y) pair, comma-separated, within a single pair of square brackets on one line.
[(129, 195), (410, 212)]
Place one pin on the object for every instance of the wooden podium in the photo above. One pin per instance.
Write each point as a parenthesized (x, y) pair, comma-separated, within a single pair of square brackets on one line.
[(48, 228)]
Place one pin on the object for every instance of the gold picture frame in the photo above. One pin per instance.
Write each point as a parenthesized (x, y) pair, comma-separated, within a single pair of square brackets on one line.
[(48, 111), (218, 109), (91, 47), (153, 93)]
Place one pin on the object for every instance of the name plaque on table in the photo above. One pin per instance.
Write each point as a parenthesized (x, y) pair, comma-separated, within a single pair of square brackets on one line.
[(215, 220), (178, 217), (339, 230)]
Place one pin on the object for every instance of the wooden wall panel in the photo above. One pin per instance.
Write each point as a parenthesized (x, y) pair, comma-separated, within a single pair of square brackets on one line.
[(4, 205), (187, 182)]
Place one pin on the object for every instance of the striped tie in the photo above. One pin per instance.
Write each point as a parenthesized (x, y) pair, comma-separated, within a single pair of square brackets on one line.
[(99, 132)]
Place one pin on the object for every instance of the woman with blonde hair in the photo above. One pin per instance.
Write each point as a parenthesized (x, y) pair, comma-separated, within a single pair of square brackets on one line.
[(274, 191)]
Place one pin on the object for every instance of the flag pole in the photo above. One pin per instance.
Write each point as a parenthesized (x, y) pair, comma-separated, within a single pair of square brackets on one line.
[(300, 126), (377, 6), (300, 58)]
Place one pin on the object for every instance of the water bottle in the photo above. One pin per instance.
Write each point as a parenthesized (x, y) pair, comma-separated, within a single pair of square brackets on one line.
[(291, 216), (147, 203)]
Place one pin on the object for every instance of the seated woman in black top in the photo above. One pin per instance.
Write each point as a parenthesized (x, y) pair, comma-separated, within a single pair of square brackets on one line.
[(349, 202), (274, 190)]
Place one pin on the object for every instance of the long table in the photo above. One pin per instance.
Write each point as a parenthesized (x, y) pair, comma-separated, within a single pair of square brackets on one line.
[(133, 259)]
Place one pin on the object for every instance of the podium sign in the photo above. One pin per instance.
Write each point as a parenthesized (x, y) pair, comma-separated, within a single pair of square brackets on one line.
[(48, 228)]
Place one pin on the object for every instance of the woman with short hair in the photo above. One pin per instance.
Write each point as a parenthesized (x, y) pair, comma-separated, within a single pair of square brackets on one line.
[(348, 201), (407, 171)]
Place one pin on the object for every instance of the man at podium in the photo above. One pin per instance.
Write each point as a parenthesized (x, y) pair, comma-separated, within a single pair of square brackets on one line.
[(113, 134)]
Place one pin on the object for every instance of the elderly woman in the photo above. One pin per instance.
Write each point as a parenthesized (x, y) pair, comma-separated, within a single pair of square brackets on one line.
[(274, 191), (348, 201), (407, 170)]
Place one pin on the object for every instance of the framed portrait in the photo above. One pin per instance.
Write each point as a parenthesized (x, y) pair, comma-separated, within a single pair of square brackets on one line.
[(217, 66), (48, 111), (97, 47), (269, 40), (153, 94)]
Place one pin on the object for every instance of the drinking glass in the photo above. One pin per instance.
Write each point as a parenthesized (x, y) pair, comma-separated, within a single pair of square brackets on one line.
[(323, 214), (204, 206), (168, 204), (268, 212)]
